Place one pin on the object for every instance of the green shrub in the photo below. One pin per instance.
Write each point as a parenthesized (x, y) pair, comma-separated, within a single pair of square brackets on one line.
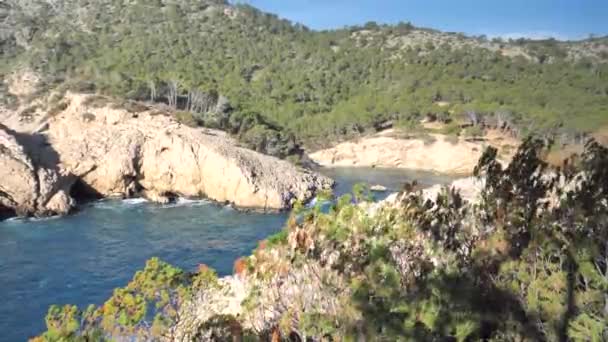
[(452, 129), (279, 238), (186, 118), (58, 108), (88, 117), (473, 132), (28, 112), (428, 139), (96, 101)]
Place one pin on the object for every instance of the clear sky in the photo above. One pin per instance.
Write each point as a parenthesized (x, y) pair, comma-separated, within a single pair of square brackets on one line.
[(563, 19)]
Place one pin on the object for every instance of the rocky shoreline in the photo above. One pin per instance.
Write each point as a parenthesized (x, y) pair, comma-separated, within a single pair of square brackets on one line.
[(433, 152), (88, 150), (29, 185), (63, 148)]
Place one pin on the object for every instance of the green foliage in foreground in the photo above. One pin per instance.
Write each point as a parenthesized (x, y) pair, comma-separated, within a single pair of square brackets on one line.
[(529, 262), (145, 309), (316, 85)]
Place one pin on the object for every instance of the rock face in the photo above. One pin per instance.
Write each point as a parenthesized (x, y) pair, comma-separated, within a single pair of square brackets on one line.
[(470, 189), (436, 154), (29, 184), (114, 152)]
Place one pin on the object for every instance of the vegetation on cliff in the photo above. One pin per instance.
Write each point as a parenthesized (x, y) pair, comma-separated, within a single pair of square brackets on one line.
[(528, 262), (273, 82), (146, 309)]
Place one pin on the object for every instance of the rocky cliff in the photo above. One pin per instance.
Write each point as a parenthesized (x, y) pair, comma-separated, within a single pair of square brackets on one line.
[(112, 151), (31, 183), (435, 153)]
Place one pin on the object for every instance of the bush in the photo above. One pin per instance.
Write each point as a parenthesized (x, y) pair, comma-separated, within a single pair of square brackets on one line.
[(28, 112), (186, 118), (451, 129), (58, 108), (279, 238), (96, 101), (473, 132), (88, 117), (410, 125)]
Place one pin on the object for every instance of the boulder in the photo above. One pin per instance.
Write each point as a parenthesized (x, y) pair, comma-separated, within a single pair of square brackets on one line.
[(470, 189)]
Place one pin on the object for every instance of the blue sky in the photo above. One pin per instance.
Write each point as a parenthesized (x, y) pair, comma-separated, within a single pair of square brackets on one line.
[(563, 19)]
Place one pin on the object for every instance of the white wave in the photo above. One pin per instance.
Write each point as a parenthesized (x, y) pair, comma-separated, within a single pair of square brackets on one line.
[(186, 202), (120, 205), (19, 220), (112, 204), (117, 204), (135, 201), (40, 219)]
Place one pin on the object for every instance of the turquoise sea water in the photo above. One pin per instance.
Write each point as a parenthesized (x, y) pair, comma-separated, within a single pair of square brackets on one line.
[(81, 258)]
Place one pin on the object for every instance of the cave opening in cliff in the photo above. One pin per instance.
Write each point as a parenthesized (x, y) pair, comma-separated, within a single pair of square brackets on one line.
[(6, 213), (82, 191)]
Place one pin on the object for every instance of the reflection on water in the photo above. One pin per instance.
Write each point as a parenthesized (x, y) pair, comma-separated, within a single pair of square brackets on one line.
[(80, 259)]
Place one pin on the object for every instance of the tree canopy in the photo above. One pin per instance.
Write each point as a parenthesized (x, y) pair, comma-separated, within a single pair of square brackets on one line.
[(316, 85)]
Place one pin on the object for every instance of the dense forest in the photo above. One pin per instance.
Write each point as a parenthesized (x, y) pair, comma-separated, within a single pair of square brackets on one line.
[(261, 77), (527, 262)]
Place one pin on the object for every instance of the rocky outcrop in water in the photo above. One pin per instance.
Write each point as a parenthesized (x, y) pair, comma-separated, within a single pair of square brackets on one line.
[(31, 184), (120, 153), (115, 152)]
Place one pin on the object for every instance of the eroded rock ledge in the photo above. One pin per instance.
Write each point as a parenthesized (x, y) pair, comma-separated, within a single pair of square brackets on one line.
[(113, 152)]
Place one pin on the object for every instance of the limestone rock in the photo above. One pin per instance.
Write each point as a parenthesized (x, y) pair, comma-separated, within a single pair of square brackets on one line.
[(114, 152), (156, 198), (416, 154), (118, 153), (29, 185), (469, 188), (435, 153)]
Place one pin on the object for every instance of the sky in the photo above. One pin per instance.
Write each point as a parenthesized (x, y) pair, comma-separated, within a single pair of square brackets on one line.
[(561, 19)]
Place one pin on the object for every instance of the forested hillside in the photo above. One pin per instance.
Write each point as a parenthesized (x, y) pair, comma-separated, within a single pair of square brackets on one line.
[(237, 68)]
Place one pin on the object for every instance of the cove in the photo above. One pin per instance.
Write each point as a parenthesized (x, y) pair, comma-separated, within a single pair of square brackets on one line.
[(81, 258)]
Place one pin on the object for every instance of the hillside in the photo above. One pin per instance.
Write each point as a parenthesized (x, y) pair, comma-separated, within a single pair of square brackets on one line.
[(272, 82)]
